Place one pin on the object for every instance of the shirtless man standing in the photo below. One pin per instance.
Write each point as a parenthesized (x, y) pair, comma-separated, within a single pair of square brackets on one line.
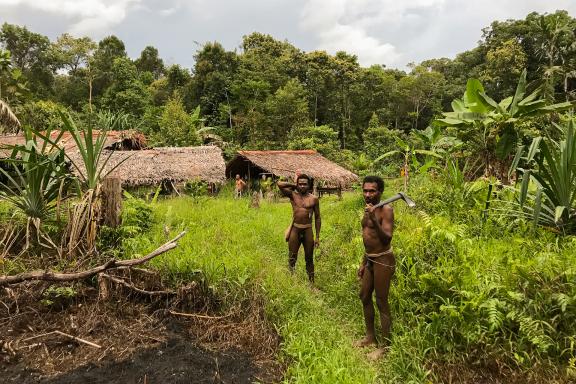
[(378, 264), (239, 187), (304, 206)]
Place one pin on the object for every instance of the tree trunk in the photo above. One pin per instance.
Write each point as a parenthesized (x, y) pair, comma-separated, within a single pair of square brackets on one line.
[(111, 202), (315, 108)]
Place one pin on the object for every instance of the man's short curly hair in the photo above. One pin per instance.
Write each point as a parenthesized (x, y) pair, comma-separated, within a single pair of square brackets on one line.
[(305, 176), (374, 179)]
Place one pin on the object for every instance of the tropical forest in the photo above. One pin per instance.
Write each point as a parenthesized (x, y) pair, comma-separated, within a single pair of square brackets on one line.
[(143, 209)]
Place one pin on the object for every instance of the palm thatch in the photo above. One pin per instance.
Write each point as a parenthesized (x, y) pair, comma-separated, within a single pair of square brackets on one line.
[(285, 164), (154, 166), (118, 140), (7, 117)]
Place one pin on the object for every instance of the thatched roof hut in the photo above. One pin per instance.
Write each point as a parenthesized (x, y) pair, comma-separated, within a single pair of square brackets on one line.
[(251, 164), (119, 140), (154, 166)]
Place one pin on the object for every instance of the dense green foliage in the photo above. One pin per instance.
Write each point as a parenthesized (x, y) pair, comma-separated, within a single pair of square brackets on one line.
[(269, 93), (485, 270), (466, 291)]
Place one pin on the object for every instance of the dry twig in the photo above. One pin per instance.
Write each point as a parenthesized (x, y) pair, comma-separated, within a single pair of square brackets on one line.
[(62, 334), (124, 283), (199, 316)]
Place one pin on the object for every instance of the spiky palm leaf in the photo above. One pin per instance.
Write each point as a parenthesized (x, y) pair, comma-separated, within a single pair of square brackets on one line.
[(7, 117)]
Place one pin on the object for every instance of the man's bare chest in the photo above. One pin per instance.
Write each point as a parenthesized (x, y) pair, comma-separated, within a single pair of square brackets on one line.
[(368, 223), (306, 202)]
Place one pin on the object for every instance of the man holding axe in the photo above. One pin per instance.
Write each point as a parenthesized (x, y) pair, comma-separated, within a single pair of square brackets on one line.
[(378, 264)]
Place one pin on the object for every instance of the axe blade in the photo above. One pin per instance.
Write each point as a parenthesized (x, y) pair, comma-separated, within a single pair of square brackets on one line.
[(407, 199)]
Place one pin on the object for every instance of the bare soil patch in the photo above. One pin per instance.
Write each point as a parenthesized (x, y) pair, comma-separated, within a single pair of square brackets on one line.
[(139, 339)]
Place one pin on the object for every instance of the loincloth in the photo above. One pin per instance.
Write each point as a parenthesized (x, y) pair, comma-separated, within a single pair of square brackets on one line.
[(373, 258), (298, 227)]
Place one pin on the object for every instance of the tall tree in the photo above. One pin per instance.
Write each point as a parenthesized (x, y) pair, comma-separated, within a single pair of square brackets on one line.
[(421, 91), (126, 92), (109, 49), (71, 53), (345, 68), (177, 77), (214, 71), (30, 54), (287, 110), (150, 61), (555, 46), (372, 91)]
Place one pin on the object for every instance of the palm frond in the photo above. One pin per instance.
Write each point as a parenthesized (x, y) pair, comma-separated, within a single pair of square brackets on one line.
[(7, 116)]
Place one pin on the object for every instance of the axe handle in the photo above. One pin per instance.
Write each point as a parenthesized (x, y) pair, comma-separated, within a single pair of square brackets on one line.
[(389, 200)]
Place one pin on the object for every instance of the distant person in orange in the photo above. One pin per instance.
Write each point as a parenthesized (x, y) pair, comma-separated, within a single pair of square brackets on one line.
[(240, 186)]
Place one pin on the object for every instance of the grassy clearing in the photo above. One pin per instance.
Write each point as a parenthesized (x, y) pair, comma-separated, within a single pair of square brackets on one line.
[(231, 247), (462, 294)]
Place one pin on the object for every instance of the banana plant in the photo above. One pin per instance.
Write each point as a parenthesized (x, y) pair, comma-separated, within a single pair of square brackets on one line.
[(409, 153), (551, 166), (495, 122), (436, 141)]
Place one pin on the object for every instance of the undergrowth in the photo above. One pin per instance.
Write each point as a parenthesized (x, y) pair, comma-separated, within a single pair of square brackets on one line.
[(465, 291)]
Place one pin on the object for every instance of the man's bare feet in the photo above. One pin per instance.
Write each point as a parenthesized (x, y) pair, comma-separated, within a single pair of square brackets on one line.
[(365, 342), (376, 354), (314, 290)]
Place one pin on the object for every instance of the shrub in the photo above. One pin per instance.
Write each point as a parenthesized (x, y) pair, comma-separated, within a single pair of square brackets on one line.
[(196, 188)]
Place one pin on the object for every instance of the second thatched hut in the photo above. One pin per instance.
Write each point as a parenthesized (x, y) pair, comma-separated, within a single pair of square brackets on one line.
[(253, 164)]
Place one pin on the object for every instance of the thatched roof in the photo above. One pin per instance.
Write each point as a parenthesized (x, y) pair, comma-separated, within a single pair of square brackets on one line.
[(287, 163), (152, 166), (114, 140)]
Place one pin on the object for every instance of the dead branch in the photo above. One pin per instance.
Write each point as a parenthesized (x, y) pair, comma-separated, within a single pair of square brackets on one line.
[(195, 315), (139, 270), (126, 284), (62, 334), (54, 276)]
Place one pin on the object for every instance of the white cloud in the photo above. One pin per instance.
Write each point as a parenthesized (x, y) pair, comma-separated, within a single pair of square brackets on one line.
[(89, 15), (391, 32), (346, 25), (395, 32), (168, 11)]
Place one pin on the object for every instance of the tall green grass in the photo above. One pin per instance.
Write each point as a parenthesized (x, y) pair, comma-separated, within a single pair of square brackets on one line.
[(465, 292), (230, 246)]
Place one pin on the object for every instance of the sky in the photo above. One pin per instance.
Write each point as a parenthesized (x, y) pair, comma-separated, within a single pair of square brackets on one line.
[(389, 32)]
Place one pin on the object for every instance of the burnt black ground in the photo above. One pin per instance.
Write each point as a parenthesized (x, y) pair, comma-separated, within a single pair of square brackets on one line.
[(177, 361)]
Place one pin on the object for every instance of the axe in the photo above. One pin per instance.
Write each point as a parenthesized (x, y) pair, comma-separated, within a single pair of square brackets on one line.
[(398, 196)]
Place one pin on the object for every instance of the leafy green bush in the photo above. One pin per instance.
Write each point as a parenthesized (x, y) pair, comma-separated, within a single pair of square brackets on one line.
[(196, 188), (58, 297), (137, 219)]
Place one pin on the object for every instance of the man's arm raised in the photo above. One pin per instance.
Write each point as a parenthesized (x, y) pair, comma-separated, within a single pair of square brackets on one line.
[(286, 188)]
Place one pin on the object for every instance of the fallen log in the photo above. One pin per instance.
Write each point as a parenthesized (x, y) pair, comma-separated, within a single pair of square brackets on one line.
[(113, 263)]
